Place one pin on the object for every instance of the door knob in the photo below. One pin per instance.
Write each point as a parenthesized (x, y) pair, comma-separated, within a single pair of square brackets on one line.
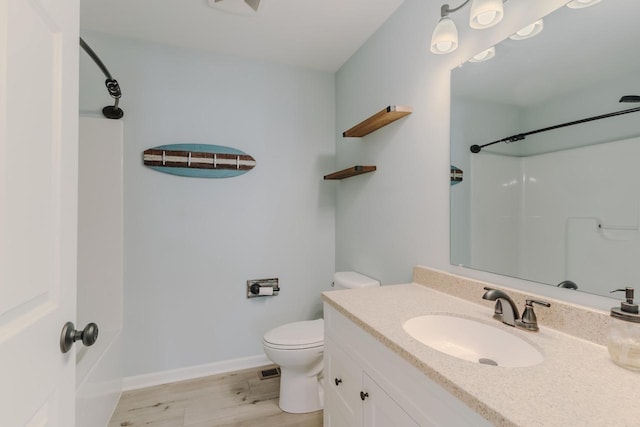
[(69, 335)]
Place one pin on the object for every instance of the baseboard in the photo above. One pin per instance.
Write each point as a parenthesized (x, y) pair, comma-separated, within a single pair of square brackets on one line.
[(191, 372)]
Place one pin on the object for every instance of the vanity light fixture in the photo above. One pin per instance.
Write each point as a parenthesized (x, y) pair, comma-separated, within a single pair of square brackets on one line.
[(484, 14), (485, 55), (529, 31), (445, 35), (580, 4)]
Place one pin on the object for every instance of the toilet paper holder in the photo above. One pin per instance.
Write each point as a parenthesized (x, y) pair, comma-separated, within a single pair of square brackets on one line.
[(262, 288)]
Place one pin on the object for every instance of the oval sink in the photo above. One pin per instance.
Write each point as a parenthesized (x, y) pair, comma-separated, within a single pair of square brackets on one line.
[(473, 341)]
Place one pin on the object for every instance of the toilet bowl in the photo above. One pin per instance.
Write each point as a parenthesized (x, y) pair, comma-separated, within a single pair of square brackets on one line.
[(298, 348)]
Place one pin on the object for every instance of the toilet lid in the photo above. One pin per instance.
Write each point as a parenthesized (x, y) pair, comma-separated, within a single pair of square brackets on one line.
[(297, 334)]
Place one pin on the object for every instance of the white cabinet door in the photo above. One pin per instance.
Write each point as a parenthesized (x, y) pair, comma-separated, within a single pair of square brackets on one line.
[(343, 383), (380, 410), (334, 417), (38, 209)]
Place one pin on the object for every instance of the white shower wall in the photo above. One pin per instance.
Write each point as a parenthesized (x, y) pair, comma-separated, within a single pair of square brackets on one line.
[(496, 190), (100, 269), (543, 212)]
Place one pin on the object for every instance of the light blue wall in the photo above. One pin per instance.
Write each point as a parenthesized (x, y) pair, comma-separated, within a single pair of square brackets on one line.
[(190, 244), (397, 217)]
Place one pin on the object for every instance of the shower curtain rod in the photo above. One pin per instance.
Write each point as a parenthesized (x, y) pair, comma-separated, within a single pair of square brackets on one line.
[(521, 136), (110, 111)]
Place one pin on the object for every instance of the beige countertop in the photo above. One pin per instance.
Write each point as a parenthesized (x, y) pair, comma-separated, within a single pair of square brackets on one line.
[(576, 384)]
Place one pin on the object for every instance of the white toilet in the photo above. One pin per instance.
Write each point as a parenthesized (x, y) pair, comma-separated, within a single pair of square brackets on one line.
[(298, 348)]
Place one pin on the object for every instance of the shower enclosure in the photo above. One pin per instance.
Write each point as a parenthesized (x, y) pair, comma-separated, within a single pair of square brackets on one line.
[(100, 269)]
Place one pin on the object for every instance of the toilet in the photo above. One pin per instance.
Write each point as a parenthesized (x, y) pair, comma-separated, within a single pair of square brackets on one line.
[(298, 348)]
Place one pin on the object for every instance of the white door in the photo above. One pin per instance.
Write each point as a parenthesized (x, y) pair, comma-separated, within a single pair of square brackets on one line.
[(38, 204)]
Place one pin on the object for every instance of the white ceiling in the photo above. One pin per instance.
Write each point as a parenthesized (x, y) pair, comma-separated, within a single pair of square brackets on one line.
[(318, 34)]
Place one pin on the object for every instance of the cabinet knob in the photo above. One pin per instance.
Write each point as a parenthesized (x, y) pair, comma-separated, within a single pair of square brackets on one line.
[(363, 395), (337, 381)]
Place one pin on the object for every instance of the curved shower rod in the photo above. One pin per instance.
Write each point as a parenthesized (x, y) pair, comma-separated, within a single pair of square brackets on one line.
[(519, 137), (110, 111)]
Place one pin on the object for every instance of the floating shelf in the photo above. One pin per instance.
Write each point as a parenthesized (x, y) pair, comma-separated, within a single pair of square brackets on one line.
[(378, 120), (352, 171)]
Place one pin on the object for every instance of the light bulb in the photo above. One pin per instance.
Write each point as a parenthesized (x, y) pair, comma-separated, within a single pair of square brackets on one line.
[(444, 47), (580, 4), (485, 55), (485, 13), (485, 18), (529, 31), (526, 31), (445, 36)]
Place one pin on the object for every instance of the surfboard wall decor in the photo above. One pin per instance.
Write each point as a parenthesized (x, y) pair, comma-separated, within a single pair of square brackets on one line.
[(198, 160)]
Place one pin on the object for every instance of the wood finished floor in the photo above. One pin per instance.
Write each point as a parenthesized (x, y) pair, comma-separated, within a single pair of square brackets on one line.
[(237, 399)]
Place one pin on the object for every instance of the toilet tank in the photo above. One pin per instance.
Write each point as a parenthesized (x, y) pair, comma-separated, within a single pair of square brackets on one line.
[(352, 280)]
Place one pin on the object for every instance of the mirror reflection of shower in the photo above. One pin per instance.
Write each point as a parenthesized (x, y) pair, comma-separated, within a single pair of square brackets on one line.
[(110, 111), (558, 207)]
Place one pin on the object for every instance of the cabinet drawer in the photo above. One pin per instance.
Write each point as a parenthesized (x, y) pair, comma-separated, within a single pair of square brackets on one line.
[(343, 379)]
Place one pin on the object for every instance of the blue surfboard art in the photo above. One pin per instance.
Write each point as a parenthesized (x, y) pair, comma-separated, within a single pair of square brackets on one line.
[(198, 160)]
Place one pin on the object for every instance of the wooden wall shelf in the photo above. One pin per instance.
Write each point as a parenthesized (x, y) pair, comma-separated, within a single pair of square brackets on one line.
[(349, 172), (378, 120)]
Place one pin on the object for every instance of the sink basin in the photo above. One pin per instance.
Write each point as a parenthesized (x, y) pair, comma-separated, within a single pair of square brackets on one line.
[(473, 341)]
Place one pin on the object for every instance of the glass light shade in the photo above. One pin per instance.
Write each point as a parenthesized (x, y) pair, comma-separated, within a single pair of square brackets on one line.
[(445, 36), (234, 7), (579, 4), (485, 13), (485, 55), (529, 31)]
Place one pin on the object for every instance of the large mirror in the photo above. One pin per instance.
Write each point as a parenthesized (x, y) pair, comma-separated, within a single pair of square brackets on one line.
[(560, 206)]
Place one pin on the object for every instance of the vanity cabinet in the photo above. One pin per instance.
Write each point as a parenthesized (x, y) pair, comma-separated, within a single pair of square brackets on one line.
[(367, 384), (355, 398)]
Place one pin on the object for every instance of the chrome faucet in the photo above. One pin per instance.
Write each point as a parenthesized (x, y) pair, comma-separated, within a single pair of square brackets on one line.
[(509, 315)]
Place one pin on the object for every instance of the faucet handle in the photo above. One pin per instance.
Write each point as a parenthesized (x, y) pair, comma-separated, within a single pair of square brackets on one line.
[(529, 320), (529, 303)]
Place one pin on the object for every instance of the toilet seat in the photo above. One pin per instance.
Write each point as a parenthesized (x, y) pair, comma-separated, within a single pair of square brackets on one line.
[(296, 335)]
